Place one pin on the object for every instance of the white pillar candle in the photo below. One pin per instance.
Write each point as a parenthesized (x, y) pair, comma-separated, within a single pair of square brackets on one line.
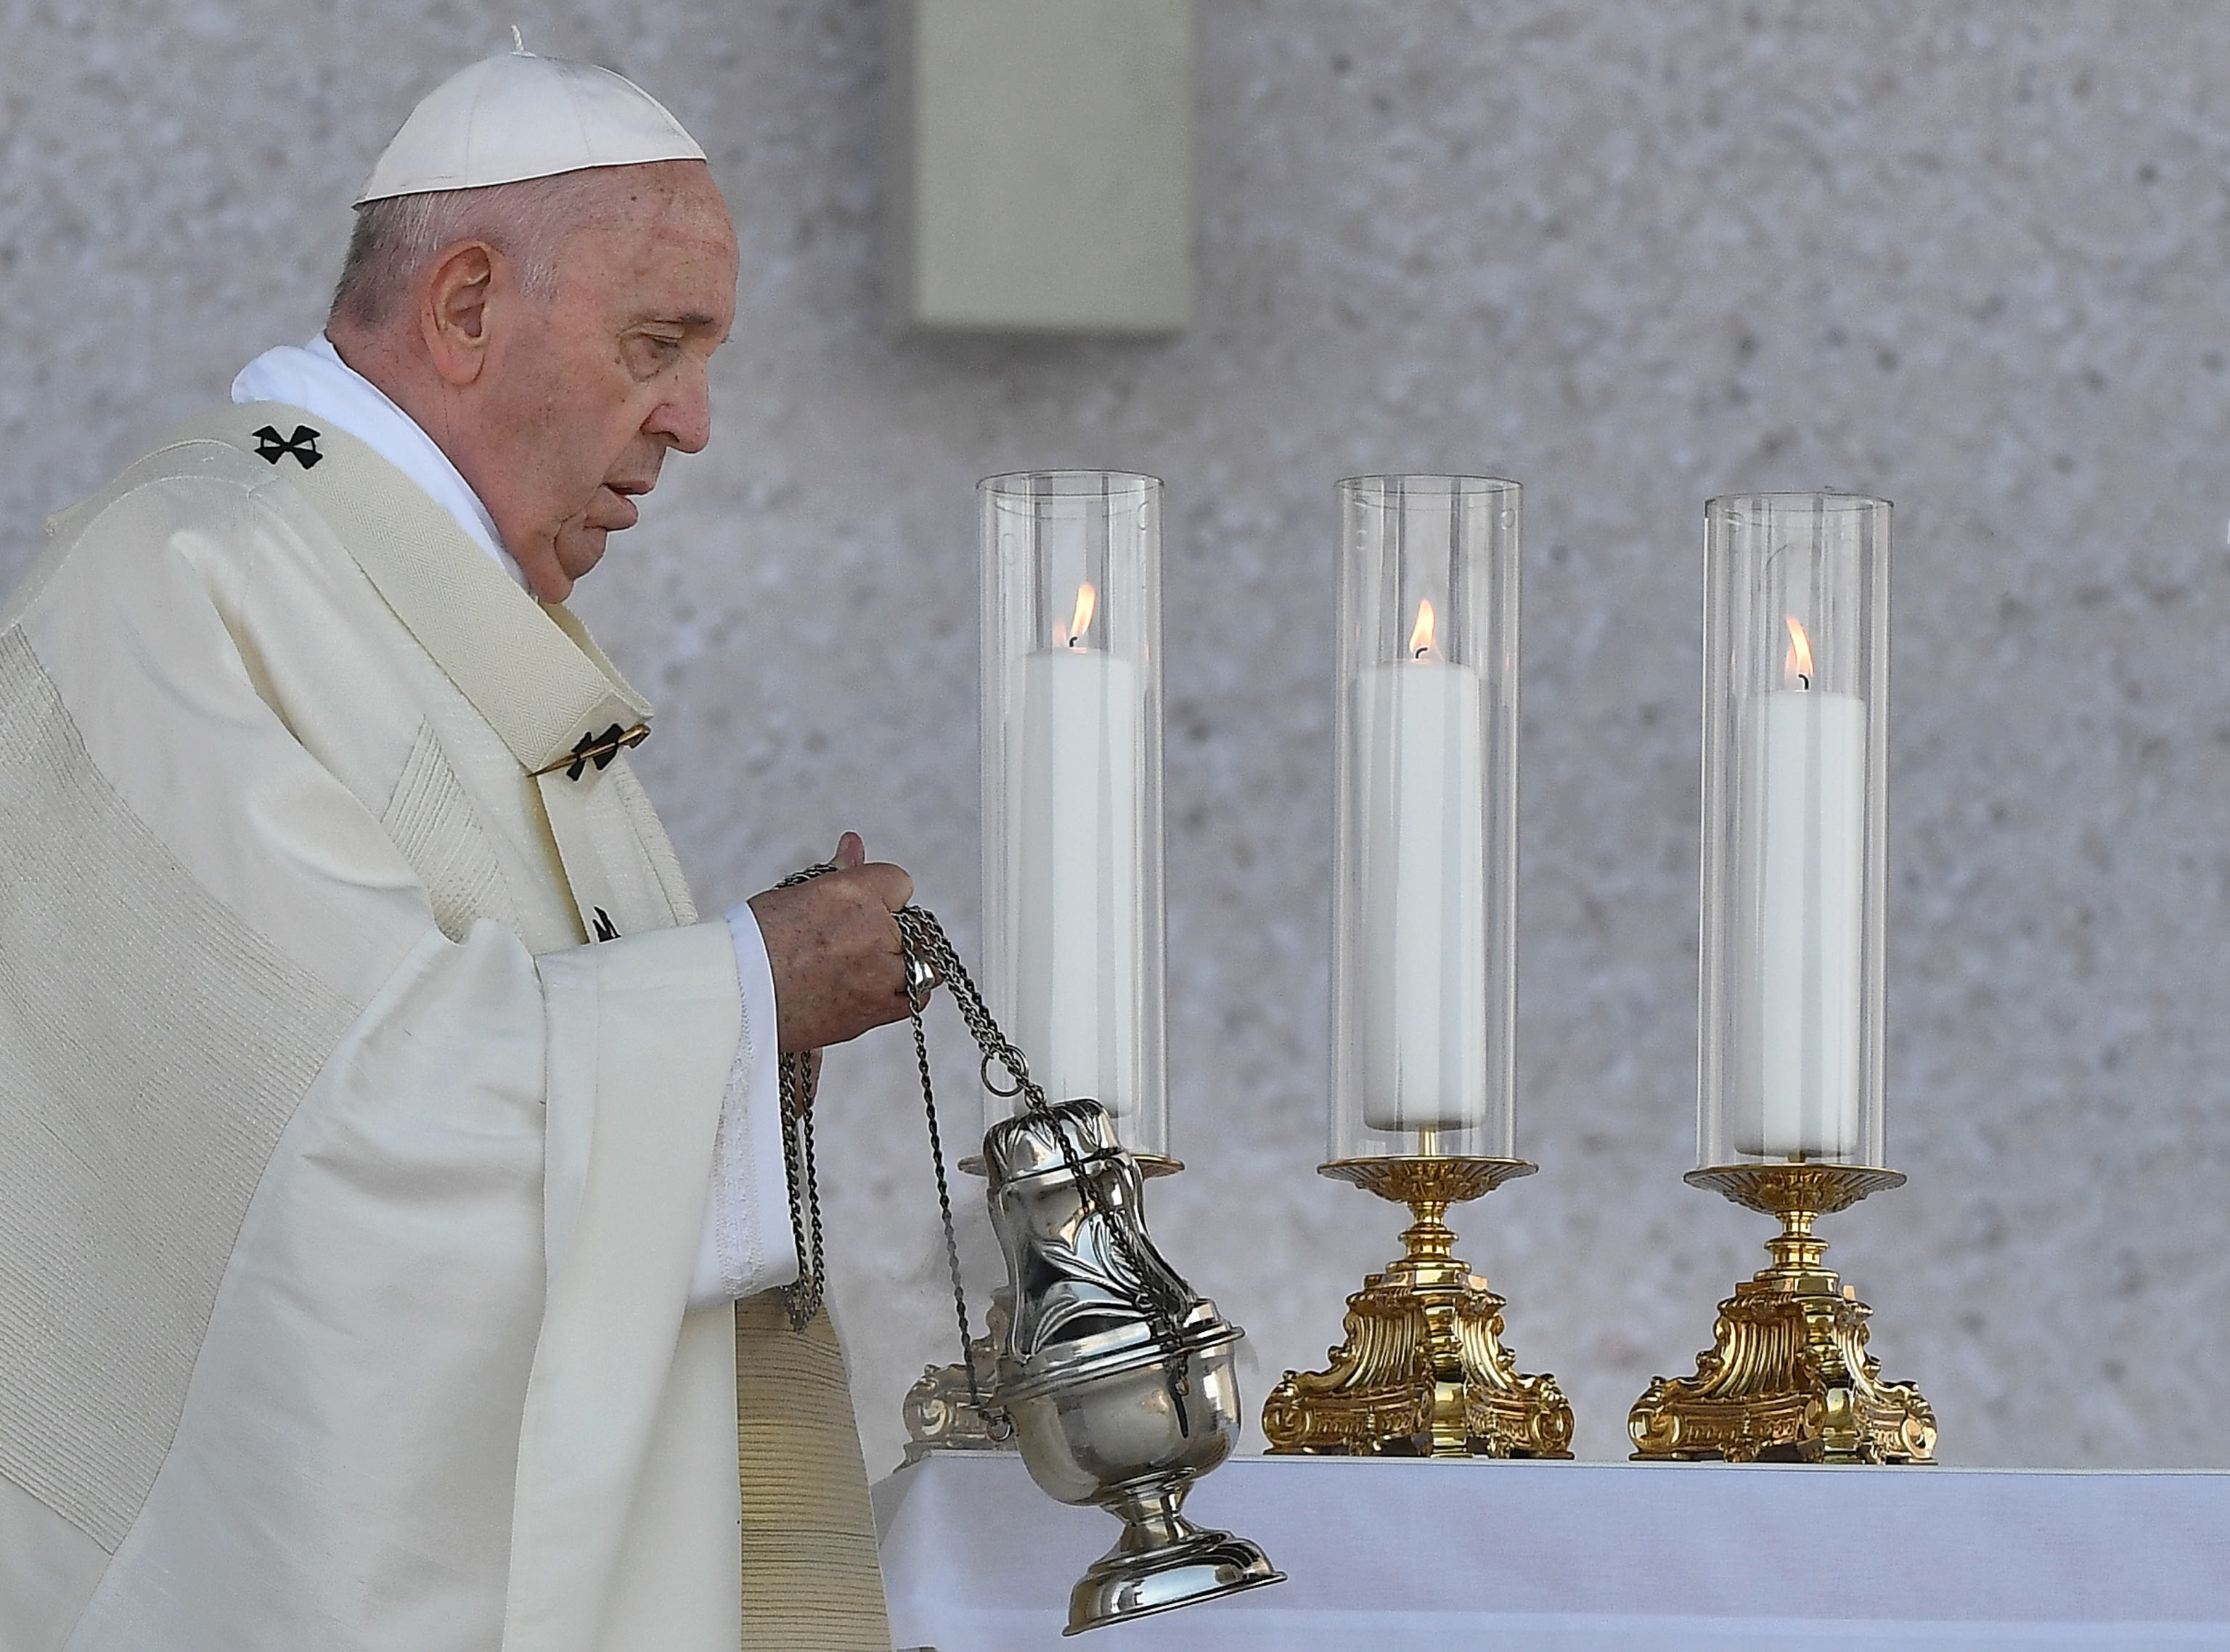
[(1801, 863), (1073, 902), (1422, 842)]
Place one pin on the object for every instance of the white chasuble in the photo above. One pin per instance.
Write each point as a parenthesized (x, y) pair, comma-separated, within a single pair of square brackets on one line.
[(348, 1197)]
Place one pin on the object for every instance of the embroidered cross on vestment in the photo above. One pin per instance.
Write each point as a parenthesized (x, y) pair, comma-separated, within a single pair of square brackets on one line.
[(597, 749), (271, 447)]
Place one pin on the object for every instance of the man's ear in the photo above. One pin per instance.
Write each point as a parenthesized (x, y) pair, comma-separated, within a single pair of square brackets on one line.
[(452, 317)]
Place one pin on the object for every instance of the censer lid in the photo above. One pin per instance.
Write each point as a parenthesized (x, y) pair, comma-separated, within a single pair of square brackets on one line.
[(1047, 1139)]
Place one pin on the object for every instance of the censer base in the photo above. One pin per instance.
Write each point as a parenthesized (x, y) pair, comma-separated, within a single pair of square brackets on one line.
[(1162, 1561), (1790, 1379), (1423, 1372)]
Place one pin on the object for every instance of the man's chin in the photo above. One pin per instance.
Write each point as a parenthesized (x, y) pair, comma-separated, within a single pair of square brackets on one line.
[(579, 549), (551, 570)]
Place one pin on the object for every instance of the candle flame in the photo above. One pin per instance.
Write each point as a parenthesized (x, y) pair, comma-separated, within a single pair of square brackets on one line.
[(1799, 663), (1421, 635), (1087, 603)]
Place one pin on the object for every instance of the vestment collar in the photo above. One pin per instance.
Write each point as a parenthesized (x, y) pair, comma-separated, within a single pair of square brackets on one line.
[(314, 378), (530, 668)]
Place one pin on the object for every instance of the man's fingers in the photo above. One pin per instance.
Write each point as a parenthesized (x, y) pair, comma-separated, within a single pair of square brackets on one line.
[(892, 883), (834, 948)]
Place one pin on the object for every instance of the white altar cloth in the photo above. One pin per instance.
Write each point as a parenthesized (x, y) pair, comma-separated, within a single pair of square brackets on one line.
[(1422, 1556)]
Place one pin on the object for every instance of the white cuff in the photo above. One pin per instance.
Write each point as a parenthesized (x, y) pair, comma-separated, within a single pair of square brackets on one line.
[(747, 1246)]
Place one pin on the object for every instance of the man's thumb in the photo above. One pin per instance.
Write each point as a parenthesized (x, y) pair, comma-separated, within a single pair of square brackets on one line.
[(850, 852)]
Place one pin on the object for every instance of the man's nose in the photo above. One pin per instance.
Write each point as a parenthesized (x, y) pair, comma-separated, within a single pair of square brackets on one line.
[(684, 417)]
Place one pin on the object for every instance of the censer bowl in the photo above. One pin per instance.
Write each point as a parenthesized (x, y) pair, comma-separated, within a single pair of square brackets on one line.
[(1119, 1439), (1087, 1433)]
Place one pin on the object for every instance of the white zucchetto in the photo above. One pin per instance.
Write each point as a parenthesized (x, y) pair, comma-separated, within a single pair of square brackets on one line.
[(519, 116)]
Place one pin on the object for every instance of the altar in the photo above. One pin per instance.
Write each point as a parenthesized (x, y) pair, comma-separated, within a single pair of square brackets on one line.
[(1430, 1555)]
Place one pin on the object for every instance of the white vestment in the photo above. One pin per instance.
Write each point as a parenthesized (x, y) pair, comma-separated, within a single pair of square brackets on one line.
[(348, 1201), (742, 1250)]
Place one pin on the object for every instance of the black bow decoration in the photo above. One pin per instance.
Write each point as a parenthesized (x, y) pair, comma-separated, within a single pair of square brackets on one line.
[(270, 446), (597, 749)]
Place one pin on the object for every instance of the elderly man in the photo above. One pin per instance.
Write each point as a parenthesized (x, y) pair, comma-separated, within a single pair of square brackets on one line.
[(392, 1171)]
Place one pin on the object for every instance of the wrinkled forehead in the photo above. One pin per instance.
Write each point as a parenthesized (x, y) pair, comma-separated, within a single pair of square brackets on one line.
[(659, 244), (674, 197)]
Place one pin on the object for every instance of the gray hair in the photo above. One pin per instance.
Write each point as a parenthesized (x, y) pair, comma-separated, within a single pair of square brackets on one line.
[(395, 239)]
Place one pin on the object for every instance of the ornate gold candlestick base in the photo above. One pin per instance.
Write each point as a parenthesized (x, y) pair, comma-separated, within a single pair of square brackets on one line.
[(1423, 1372), (937, 1412), (1790, 1379)]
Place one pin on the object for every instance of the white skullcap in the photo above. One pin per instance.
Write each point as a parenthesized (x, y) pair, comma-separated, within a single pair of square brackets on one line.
[(519, 116)]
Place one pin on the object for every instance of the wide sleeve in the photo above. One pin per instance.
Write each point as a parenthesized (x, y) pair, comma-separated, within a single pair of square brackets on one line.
[(643, 1036), (748, 1244)]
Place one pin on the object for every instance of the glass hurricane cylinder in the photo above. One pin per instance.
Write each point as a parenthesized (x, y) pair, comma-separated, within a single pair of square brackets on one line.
[(1424, 947), (1796, 698), (1071, 730)]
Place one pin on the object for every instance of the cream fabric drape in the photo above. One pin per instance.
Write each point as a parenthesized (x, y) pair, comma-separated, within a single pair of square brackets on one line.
[(347, 1201)]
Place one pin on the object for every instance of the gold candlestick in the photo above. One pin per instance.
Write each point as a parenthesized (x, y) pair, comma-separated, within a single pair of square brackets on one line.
[(938, 1414), (1424, 1372), (1790, 1379)]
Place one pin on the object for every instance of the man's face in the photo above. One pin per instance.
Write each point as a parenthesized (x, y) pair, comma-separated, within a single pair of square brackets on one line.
[(588, 390)]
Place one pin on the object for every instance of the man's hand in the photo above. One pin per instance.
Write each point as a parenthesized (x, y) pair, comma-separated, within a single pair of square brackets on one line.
[(833, 945)]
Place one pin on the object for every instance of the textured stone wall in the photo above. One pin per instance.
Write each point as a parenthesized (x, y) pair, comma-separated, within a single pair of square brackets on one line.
[(1968, 255)]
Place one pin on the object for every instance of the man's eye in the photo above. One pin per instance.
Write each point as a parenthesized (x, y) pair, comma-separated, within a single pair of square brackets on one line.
[(651, 353)]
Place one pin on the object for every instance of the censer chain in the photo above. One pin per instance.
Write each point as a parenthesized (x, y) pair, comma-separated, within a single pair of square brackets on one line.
[(800, 1077), (929, 957), (923, 939)]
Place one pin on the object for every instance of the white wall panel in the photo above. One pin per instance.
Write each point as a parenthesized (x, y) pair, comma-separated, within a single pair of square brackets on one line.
[(1970, 256)]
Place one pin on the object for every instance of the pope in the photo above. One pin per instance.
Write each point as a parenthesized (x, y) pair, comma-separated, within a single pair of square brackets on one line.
[(392, 1184)]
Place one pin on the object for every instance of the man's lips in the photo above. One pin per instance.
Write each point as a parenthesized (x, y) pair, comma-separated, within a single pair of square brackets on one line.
[(616, 508)]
